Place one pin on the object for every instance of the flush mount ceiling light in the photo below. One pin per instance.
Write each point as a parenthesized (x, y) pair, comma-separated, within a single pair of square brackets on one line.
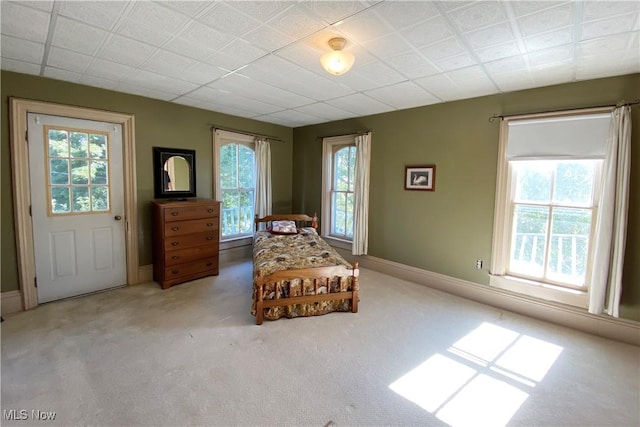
[(338, 61)]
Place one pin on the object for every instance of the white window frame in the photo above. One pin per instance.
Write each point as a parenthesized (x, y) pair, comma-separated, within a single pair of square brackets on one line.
[(331, 145), (503, 217), (222, 138)]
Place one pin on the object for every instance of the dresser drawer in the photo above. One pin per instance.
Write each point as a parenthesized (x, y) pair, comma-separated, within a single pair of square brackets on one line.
[(184, 213), (186, 241), (190, 254), (188, 227), (191, 268)]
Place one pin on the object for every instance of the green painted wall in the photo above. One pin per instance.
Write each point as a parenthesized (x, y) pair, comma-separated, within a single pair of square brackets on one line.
[(158, 123), (446, 231)]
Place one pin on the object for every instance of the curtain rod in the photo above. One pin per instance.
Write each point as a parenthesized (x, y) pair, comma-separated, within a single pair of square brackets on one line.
[(361, 132), (619, 104), (257, 135)]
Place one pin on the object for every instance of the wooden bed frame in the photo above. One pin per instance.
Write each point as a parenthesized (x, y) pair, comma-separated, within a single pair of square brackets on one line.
[(319, 275)]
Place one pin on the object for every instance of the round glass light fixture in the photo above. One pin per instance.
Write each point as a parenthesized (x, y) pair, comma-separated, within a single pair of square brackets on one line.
[(337, 61)]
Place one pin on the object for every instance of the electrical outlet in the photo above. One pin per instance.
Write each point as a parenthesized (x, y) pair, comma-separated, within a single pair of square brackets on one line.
[(479, 264)]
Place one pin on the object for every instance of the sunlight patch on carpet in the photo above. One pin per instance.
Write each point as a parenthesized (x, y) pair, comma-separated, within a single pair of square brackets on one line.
[(482, 379)]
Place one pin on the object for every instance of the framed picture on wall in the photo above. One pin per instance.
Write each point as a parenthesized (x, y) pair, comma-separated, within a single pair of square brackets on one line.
[(421, 178)]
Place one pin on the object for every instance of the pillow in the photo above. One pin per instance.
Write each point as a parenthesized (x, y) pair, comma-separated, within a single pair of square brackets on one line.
[(283, 227)]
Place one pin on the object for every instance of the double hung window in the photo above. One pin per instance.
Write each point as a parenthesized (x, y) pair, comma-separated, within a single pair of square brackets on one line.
[(339, 184)]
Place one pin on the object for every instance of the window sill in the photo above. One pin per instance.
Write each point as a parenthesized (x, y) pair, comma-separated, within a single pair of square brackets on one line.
[(540, 290), (338, 243)]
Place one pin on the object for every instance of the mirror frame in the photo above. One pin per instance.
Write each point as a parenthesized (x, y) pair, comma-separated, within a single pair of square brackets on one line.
[(160, 156)]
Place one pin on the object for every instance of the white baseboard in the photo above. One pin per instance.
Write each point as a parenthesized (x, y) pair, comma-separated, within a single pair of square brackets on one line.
[(573, 317), (10, 302)]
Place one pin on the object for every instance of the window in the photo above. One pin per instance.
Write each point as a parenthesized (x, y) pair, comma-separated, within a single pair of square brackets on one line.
[(339, 183), (547, 197), (77, 171), (235, 183)]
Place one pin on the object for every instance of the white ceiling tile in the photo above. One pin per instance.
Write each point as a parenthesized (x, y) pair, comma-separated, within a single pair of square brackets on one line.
[(78, 37), (20, 66), (202, 73), (294, 117), (403, 95), (547, 20), (156, 15), (190, 8), (513, 80), (68, 60), (413, 66), (332, 12), (227, 62), (550, 39), (168, 63), (246, 104), (470, 82), (156, 36), (262, 11), (109, 70), (22, 50), (386, 46), (324, 111), (204, 35), (507, 65), (267, 38), (228, 20), (364, 27), (595, 68), (243, 51), (297, 23), (432, 31), (455, 62), (204, 93), (553, 73), (142, 91), (46, 5), (606, 45), (478, 15), (556, 55), (126, 51), (599, 9), (401, 14), (448, 5), (381, 73), (491, 36), (360, 104), (101, 14), (159, 82), (444, 49), (65, 75), (245, 86), (607, 27), (99, 82), (24, 22), (498, 52), (521, 8), (188, 48)]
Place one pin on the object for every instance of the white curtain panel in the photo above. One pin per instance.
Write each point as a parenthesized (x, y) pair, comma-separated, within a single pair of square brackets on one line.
[(611, 225), (361, 196), (263, 177)]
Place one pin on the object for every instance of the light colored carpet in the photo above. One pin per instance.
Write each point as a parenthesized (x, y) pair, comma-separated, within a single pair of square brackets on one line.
[(192, 355)]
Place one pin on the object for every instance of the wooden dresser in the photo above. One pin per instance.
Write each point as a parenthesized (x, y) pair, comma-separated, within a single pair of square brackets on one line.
[(185, 240)]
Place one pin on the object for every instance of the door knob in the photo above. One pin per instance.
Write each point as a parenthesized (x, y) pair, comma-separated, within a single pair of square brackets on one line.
[(117, 217)]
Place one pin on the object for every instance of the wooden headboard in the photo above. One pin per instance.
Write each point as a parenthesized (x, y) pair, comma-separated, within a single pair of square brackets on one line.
[(300, 219)]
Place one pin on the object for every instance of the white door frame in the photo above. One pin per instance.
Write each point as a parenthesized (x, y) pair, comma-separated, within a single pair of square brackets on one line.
[(18, 110)]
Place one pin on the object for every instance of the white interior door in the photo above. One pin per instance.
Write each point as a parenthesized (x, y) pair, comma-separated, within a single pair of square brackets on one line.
[(77, 205)]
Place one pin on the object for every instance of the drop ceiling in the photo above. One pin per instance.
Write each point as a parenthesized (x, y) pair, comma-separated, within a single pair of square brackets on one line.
[(260, 59)]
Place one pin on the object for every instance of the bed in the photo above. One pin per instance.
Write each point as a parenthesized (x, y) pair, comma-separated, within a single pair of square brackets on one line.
[(297, 273)]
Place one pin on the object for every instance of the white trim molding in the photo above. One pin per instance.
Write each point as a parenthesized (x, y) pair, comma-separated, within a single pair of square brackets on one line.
[(10, 302), (623, 330), (19, 108)]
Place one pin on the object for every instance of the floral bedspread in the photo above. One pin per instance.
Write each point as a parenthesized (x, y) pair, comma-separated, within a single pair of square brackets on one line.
[(274, 252)]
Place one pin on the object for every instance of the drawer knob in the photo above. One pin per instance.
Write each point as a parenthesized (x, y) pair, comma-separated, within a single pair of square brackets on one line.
[(175, 228), (174, 271), (209, 238), (209, 224), (174, 243), (174, 213), (209, 264), (175, 257), (210, 210)]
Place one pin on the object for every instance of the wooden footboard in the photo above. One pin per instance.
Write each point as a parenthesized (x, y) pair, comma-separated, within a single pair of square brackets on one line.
[(320, 276)]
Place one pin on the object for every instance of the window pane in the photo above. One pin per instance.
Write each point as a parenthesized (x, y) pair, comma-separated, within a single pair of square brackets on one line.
[(98, 172), (569, 245), (98, 146), (349, 216), (60, 199), (528, 240), (533, 181), (59, 171), (79, 144), (341, 170), (339, 203), (100, 198), (574, 182), (79, 171), (80, 199), (230, 213), (228, 162), (58, 143), (246, 164), (352, 167)]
